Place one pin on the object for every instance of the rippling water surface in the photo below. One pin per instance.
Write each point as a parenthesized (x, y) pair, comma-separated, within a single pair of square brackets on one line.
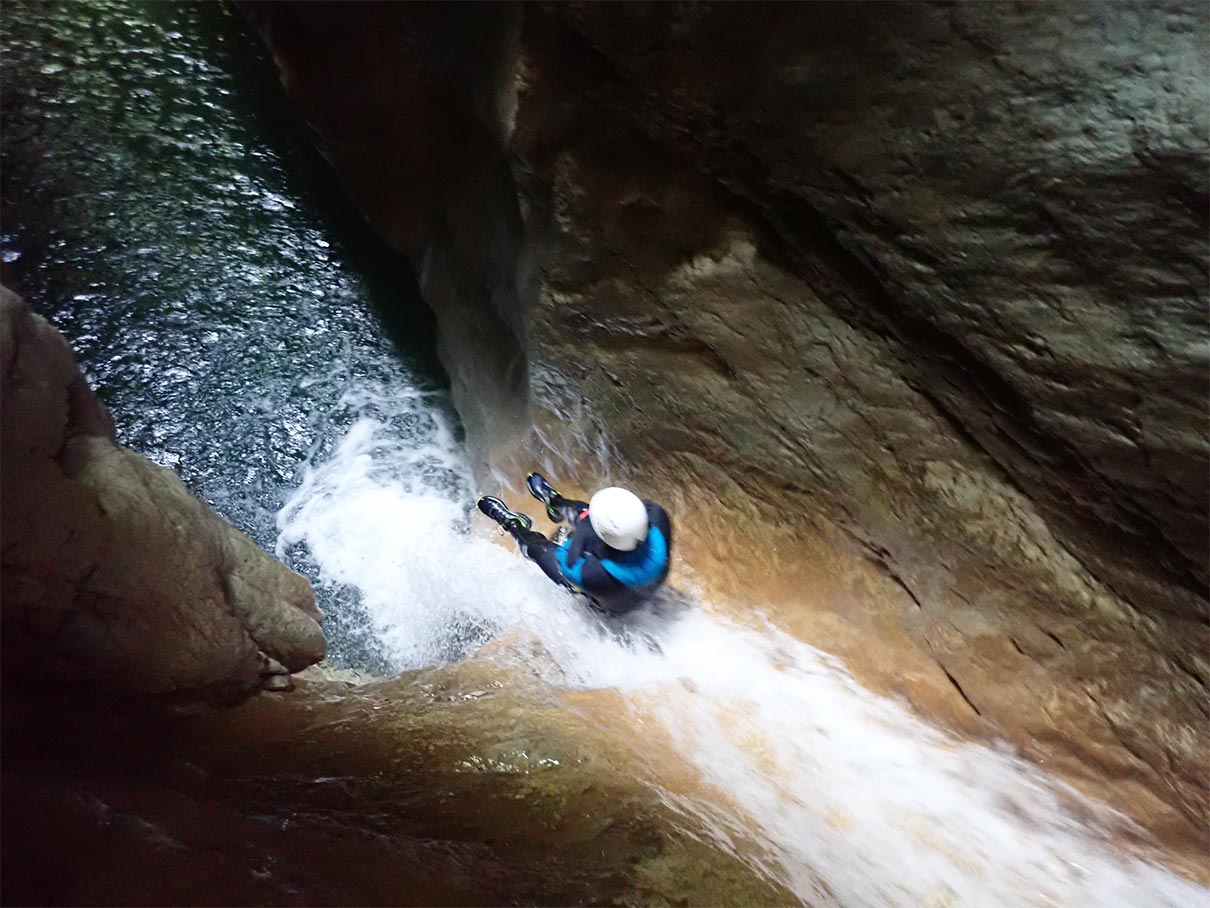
[(163, 209)]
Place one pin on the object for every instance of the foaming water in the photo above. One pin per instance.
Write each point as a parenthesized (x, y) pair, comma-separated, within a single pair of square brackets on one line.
[(777, 754), (857, 802), (381, 518)]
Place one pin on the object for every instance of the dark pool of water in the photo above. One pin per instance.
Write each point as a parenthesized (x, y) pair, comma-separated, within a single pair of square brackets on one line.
[(164, 208)]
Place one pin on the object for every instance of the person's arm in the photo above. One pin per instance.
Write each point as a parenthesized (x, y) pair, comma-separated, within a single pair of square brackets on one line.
[(585, 548), (597, 581), (583, 539), (657, 517)]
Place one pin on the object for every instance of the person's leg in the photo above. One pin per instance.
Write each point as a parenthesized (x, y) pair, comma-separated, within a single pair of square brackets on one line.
[(568, 509), (558, 508), (540, 550)]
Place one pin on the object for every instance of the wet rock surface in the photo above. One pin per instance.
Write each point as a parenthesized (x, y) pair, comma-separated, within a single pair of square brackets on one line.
[(114, 576), (928, 285), (1013, 205), (901, 310), (435, 788)]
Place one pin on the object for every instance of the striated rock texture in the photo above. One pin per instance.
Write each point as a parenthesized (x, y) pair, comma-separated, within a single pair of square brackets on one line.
[(1014, 205), (901, 307), (917, 294), (114, 576)]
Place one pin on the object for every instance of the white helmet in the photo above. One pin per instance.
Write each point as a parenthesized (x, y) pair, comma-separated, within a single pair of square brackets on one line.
[(619, 517)]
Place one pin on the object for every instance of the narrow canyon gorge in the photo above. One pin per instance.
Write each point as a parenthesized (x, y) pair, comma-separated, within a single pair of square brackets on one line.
[(899, 309)]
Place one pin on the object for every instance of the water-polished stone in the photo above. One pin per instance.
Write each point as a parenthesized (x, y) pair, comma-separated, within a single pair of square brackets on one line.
[(115, 577)]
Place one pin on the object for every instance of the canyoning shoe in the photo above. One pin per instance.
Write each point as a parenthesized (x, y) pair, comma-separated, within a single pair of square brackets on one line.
[(545, 493), (498, 511)]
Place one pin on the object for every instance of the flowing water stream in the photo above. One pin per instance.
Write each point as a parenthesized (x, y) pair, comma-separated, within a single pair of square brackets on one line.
[(846, 797), (165, 212)]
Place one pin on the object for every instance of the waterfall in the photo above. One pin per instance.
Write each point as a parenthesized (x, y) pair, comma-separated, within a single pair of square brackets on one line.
[(841, 796)]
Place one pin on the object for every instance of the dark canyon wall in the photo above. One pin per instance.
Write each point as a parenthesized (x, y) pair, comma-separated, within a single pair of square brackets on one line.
[(443, 787), (902, 308), (408, 104)]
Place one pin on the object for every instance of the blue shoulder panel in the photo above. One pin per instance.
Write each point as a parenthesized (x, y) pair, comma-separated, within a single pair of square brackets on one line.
[(642, 567)]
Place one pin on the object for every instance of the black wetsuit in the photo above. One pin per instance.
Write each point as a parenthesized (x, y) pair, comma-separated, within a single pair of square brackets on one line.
[(585, 553)]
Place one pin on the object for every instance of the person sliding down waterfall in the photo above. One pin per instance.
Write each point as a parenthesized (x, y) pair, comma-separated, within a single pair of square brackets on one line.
[(617, 553)]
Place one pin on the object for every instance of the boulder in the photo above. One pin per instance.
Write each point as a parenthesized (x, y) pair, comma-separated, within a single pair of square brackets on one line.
[(115, 577)]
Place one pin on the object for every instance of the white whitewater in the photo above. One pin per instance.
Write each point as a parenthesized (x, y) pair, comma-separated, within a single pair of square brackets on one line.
[(845, 798)]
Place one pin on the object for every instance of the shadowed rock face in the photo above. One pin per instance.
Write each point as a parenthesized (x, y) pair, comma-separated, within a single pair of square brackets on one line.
[(901, 308), (114, 576), (408, 102), (445, 787)]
